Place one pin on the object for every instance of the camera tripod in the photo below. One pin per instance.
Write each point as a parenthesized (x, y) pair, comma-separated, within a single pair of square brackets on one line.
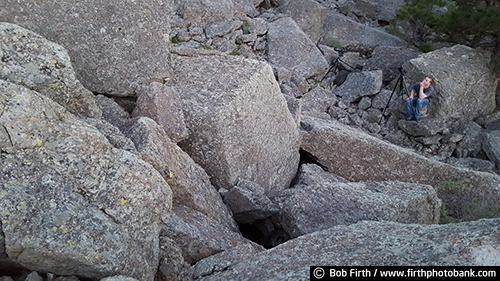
[(339, 77), (402, 85)]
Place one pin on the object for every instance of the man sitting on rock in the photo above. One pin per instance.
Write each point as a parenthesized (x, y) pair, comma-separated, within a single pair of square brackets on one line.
[(419, 97)]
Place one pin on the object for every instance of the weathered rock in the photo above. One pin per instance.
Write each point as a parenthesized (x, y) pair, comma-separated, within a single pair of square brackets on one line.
[(248, 202), (380, 10), (201, 13), (223, 260), (190, 184), (164, 105), (109, 45), (357, 156), (172, 266), (360, 84), (239, 123), (343, 30), (472, 163), (290, 47), (71, 203), (471, 143), (199, 236), (491, 146), (309, 15), (318, 100), (113, 113), (465, 86), (388, 59), (34, 62), (424, 127), (113, 134), (348, 203), (118, 278), (374, 243)]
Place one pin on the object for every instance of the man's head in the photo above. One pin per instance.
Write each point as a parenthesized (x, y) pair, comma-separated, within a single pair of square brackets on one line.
[(427, 81)]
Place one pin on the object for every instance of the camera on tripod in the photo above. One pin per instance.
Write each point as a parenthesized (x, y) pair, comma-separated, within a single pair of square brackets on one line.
[(340, 50), (401, 70)]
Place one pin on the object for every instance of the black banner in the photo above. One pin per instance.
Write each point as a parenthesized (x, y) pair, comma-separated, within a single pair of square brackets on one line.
[(426, 272)]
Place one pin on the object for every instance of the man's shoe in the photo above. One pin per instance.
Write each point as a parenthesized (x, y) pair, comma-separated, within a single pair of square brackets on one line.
[(409, 118)]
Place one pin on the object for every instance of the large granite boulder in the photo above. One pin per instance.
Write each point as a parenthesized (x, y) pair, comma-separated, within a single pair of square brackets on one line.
[(370, 243), (309, 207), (465, 85), (291, 48), (357, 156), (239, 123), (340, 29), (43, 66), (71, 203), (113, 46), (308, 14)]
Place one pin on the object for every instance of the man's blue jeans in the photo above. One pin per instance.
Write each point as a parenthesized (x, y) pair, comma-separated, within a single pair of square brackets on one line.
[(416, 103)]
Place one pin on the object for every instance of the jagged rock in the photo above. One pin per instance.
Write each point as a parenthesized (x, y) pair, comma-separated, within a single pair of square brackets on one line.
[(239, 123), (71, 203), (372, 159), (199, 236), (318, 100), (248, 202), (471, 143), (190, 184), (372, 10), (343, 30), (118, 278), (472, 163), (370, 242), (113, 134), (113, 113), (36, 63), (172, 265), (455, 70), (424, 127), (360, 84), (389, 59), (201, 12), (290, 47), (164, 105), (308, 14), (347, 203), (33, 276), (223, 260), (491, 146), (222, 28), (109, 46)]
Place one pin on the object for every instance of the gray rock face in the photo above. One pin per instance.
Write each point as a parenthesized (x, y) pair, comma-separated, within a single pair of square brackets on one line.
[(189, 182), (113, 46), (248, 202), (71, 203), (360, 84), (465, 86), (348, 203), (371, 159), (34, 62), (345, 31), (309, 15), (291, 48), (491, 146), (162, 104), (374, 243), (239, 123)]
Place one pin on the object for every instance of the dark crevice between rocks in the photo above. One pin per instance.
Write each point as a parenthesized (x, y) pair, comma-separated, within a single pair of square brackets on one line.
[(127, 103), (263, 232)]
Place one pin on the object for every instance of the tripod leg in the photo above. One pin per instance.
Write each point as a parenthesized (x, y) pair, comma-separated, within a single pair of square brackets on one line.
[(399, 81)]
